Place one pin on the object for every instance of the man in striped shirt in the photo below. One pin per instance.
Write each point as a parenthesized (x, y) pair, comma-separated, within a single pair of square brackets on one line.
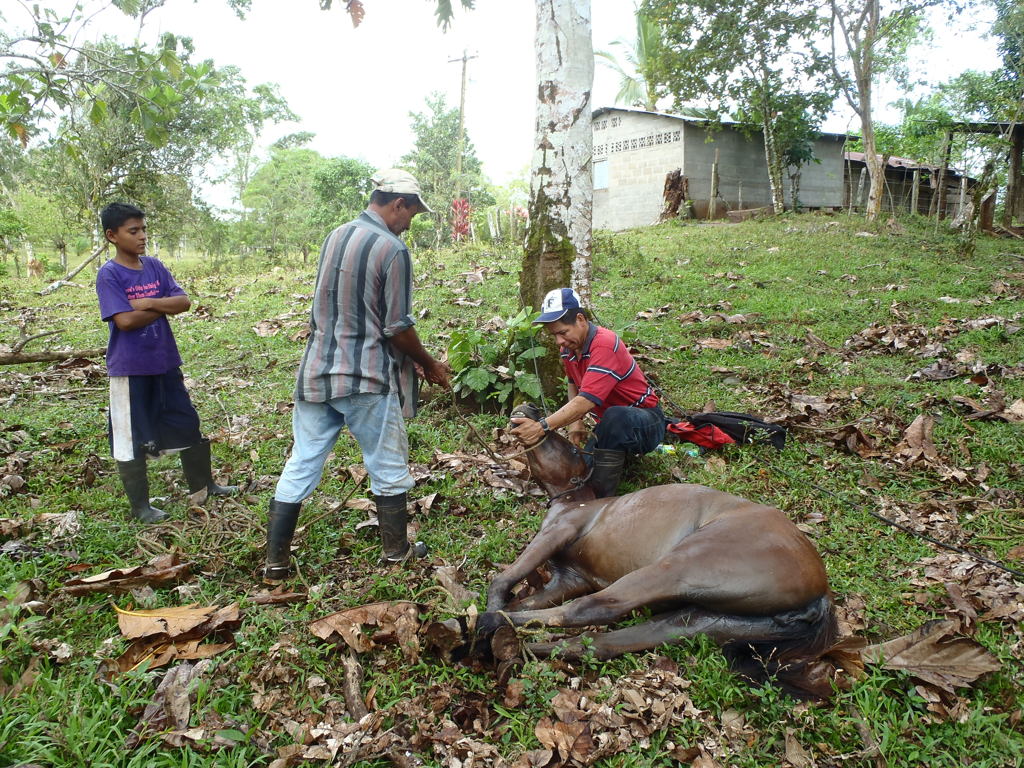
[(359, 369), (603, 379)]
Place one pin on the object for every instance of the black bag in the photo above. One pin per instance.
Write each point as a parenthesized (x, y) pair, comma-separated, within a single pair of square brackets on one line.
[(742, 427)]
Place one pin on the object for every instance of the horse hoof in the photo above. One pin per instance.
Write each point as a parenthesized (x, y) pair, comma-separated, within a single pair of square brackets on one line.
[(489, 622), (505, 645)]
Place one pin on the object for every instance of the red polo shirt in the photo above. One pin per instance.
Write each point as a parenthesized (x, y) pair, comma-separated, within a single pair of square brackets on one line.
[(606, 374)]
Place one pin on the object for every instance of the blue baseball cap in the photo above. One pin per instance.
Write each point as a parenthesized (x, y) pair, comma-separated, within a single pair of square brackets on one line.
[(557, 303)]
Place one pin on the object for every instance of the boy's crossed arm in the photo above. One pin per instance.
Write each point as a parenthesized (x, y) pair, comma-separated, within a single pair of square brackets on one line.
[(145, 311)]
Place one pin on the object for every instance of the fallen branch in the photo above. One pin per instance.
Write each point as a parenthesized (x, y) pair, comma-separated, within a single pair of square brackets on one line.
[(26, 339), (400, 755), (64, 280), (17, 358)]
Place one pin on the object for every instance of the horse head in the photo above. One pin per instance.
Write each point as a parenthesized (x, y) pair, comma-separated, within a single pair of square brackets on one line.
[(555, 462)]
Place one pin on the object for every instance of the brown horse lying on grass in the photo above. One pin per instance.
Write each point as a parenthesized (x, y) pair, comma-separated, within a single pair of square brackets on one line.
[(702, 561)]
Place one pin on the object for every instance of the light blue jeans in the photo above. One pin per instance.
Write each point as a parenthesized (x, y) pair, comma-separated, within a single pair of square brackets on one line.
[(375, 421)]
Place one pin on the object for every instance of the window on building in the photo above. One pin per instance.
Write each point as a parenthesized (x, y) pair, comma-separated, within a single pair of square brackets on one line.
[(600, 174)]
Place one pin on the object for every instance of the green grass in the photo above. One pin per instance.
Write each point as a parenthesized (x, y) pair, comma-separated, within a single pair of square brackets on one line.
[(798, 274)]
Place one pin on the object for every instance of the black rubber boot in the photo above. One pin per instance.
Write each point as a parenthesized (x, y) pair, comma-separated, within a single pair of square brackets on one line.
[(136, 487), (280, 529), (607, 473), (393, 520), (195, 463)]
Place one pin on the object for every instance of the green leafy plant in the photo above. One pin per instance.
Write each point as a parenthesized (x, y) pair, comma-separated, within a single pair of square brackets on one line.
[(496, 364)]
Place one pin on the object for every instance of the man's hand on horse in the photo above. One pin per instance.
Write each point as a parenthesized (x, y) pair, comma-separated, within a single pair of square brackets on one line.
[(527, 431)]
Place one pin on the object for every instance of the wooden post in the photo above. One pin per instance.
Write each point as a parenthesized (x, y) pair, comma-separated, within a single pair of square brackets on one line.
[(860, 187), (915, 190), (713, 195), (739, 195), (1014, 207), (940, 208), (963, 194), (988, 211)]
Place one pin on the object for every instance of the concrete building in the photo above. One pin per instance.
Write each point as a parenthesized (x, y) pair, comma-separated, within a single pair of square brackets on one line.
[(634, 150)]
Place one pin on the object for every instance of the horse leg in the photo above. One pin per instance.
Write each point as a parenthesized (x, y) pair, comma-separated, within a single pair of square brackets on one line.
[(666, 628), (564, 585), (548, 542), (646, 586)]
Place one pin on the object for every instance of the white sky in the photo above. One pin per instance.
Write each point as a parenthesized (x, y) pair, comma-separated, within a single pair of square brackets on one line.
[(354, 88)]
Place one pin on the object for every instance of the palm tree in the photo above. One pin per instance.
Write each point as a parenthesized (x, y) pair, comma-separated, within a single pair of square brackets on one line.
[(638, 89)]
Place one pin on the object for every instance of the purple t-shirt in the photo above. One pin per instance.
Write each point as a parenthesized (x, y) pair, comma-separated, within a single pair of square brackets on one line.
[(146, 351)]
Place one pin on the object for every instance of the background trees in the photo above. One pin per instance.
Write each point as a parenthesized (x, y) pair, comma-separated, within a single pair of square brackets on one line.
[(754, 58), (639, 83), (435, 164)]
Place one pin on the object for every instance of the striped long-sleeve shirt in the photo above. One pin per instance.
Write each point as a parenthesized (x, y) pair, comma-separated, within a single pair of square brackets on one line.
[(363, 297)]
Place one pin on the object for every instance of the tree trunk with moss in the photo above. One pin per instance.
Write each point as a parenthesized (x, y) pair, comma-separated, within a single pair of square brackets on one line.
[(558, 242)]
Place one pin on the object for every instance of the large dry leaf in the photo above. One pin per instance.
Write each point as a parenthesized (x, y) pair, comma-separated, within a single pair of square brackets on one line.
[(917, 444), (568, 740), (160, 571), (934, 654), (171, 706), (365, 626), (156, 653), (185, 622)]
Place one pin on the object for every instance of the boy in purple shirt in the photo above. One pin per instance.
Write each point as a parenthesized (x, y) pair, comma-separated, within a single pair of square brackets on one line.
[(151, 413)]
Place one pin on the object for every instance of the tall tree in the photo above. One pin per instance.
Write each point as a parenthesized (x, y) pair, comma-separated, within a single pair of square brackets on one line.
[(45, 70), (639, 85), (434, 159), (342, 187), (281, 198), (869, 38), (559, 238), (752, 57), (90, 161)]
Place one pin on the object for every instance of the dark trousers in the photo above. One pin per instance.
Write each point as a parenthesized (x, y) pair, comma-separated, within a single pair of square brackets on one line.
[(161, 413), (633, 430)]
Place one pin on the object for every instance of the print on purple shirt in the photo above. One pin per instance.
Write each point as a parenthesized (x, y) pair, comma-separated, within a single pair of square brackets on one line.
[(146, 351)]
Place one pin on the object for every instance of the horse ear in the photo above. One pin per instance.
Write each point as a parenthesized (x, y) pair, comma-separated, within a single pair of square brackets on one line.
[(526, 410)]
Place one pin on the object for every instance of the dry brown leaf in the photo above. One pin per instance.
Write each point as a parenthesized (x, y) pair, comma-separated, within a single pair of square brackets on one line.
[(156, 653), (365, 626), (185, 622), (171, 706), (796, 754), (855, 441), (1014, 412), (714, 343), (162, 570), (568, 740), (265, 328), (442, 637), (933, 654), (451, 579), (278, 596), (917, 444)]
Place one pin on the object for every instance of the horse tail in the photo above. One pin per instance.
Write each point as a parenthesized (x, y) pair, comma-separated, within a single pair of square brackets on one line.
[(802, 637)]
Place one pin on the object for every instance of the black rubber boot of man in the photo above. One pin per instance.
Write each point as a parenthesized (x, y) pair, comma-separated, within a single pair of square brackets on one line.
[(607, 472), (195, 463), (136, 487), (393, 520), (280, 528)]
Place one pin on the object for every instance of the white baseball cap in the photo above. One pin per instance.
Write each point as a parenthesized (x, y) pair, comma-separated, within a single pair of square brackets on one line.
[(399, 182)]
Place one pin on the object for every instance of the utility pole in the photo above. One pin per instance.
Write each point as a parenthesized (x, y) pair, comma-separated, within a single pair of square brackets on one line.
[(462, 124)]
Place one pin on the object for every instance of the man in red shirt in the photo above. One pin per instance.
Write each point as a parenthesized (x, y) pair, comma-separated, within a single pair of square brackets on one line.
[(603, 378)]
